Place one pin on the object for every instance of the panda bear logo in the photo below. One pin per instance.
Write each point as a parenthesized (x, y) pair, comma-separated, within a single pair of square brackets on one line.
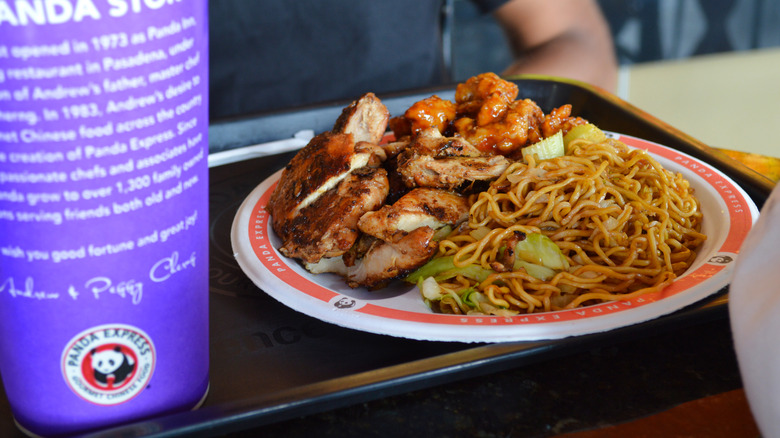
[(111, 366)]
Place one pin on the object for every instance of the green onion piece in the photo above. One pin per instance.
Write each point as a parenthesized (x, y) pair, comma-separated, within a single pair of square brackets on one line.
[(443, 268), (466, 297), (537, 271), (545, 149), (587, 131), (430, 289), (442, 232), (430, 269), (539, 249)]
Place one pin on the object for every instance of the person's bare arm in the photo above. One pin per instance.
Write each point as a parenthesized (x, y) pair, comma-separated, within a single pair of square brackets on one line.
[(567, 38)]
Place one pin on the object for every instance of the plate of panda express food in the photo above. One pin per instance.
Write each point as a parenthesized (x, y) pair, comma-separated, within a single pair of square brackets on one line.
[(484, 219)]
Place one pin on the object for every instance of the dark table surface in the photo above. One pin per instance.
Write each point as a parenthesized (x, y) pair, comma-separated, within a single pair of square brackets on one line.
[(277, 372), (589, 389)]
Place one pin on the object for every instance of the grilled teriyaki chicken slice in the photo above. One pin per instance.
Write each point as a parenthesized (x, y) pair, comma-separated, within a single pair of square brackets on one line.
[(328, 226), (432, 160), (330, 183), (373, 262), (398, 238), (320, 166), (420, 207), (385, 261), (366, 119)]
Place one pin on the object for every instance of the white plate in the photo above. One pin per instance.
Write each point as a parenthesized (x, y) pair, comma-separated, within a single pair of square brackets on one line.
[(398, 310)]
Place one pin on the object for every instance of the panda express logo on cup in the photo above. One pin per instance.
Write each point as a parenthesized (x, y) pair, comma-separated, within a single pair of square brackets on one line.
[(109, 364)]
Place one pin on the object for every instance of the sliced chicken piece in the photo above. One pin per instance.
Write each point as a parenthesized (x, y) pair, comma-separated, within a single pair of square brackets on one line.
[(359, 249), (332, 265), (431, 142), (387, 261), (450, 173), (366, 119), (398, 187), (341, 264), (435, 161), (394, 148), (331, 182), (421, 207), (327, 227), (377, 154), (331, 156), (382, 261), (398, 238), (315, 169)]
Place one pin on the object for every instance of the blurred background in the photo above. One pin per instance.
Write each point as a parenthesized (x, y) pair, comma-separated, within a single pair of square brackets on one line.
[(643, 30)]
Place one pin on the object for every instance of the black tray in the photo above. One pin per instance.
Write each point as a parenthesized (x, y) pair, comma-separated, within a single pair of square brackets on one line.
[(270, 363)]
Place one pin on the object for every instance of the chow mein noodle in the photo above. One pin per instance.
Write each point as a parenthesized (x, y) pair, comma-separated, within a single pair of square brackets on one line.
[(602, 223)]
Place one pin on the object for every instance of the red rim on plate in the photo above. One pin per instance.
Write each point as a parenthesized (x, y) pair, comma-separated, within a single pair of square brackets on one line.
[(728, 216)]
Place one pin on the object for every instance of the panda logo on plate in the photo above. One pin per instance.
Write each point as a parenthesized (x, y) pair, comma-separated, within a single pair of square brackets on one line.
[(109, 364)]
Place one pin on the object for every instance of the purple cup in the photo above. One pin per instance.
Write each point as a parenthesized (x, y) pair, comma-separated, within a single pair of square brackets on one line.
[(103, 211)]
